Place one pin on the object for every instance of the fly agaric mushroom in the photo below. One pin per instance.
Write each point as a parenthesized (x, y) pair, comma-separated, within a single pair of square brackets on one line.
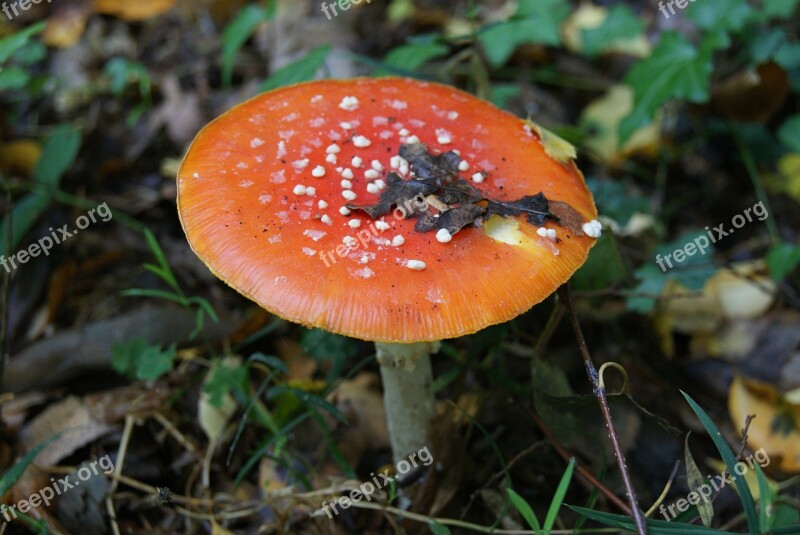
[(390, 209)]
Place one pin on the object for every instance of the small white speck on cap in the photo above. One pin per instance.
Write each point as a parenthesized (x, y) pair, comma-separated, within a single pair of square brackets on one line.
[(382, 225), (356, 161), (551, 233), (373, 188), (318, 172), (378, 166), (346, 126), (365, 259), (541, 231), (371, 174), (256, 142), (412, 139), (452, 115), (443, 235), (593, 228), (349, 241), (300, 164), (322, 205), (463, 165), (195, 175), (326, 219), (381, 183), (398, 240), (349, 103), (346, 184), (331, 158), (416, 265), (333, 148), (361, 142), (311, 191), (299, 190), (404, 132), (349, 195), (354, 223), (347, 173), (478, 177), (443, 136), (344, 210)]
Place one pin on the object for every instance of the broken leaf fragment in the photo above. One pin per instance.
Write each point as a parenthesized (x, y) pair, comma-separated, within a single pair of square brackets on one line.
[(554, 146)]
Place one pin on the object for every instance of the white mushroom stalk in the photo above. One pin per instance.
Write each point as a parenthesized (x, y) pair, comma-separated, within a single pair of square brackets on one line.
[(407, 394)]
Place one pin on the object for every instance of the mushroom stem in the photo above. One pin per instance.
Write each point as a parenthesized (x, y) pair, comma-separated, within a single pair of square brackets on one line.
[(407, 394)]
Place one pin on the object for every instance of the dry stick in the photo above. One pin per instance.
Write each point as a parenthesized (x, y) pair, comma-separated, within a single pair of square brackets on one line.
[(600, 393), (580, 468)]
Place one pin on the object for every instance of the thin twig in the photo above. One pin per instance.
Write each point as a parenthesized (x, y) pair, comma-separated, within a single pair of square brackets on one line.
[(600, 393), (613, 498)]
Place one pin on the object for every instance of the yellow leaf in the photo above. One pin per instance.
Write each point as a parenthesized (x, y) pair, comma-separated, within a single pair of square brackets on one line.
[(138, 10), (775, 426), (788, 179), (601, 119), (589, 17), (559, 149), (19, 157)]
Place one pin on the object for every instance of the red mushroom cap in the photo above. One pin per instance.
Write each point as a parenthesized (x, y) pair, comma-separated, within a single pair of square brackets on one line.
[(261, 189)]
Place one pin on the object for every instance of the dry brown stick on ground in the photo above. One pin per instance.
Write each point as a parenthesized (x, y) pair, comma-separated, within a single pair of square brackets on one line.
[(600, 393)]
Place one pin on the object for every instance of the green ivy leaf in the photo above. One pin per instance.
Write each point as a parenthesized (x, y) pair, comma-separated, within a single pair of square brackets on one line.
[(12, 78), (676, 69), (692, 272), (536, 22), (621, 24), (301, 70), (725, 15), (412, 56), (138, 359), (224, 378), (14, 42)]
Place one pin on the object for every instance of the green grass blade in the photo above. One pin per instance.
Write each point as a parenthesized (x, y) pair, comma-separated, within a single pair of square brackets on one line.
[(558, 497), (730, 461), (525, 510)]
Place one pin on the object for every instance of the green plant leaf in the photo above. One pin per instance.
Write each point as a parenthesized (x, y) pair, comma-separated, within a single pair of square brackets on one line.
[(236, 34), (308, 398), (58, 154), (301, 70), (438, 529), (15, 472), (730, 461), (726, 15), (140, 360), (412, 56), (694, 479), (13, 77), (14, 42), (558, 497), (782, 259), (223, 379), (621, 24), (675, 69), (536, 22), (765, 499), (524, 509), (656, 527)]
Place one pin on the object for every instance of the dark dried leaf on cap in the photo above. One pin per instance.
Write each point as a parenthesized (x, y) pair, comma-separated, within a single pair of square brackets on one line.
[(535, 208), (427, 166), (398, 192), (453, 220), (567, 217)]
